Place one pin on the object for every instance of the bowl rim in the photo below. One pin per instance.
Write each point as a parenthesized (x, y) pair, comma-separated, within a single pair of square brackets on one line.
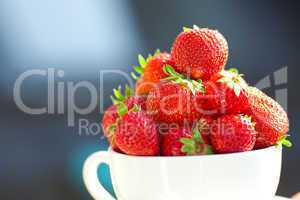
[(232, 155)]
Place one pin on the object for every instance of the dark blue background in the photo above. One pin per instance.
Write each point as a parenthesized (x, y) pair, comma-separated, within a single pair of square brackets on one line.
[(41, 158)]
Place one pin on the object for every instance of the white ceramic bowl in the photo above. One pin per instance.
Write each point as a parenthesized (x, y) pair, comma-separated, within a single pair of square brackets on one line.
[(250, 175)]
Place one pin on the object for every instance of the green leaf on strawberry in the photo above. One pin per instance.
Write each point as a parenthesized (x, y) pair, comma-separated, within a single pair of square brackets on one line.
[(193, 85), (122, 109), (134, 76), (128, 91), (139, 70), (196, 144), (135, 108), (208, 150), (283, 141), (111, 129), (187, 29), (119, 97), (233, 70), (142, 61), (233, 80)]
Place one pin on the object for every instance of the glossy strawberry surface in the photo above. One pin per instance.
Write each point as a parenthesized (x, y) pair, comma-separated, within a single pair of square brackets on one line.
[(153, 72), (172, 103), (271, 120), (233, 133), (171, 145), (200, 52), (225, 93), (136, 134), (111, 115)]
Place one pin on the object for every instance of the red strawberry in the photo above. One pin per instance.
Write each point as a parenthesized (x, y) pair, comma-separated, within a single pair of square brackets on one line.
[(233, 133), (142, 87), (151, 71), (171, 145), (111, 114), (174, 100), (225, 93), (136, 100), (272, 123), (108, 125), (200, 52), (204, 125), (183, 141), (154, 68), (136, 133)]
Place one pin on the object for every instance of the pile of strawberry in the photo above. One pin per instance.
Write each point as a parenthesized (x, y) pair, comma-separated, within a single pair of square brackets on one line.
[(186, 103)]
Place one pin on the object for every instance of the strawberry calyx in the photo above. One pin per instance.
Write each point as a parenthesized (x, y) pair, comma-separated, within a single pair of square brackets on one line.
[(187, 29), (233, 80), (119, 97), (196, 144), (193, 85), (284, 141), (118, 100), (122, 110), (138, 70), (111, 129), (248, 120)]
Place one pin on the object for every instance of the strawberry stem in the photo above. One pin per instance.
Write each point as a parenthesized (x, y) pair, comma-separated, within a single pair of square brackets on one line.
[(196, 144), (119, 96), (233, 80), (138, 71), (193, 85), (283, 141)]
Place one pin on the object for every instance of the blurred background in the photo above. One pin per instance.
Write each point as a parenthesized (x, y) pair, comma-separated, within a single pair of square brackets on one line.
[(41, 156)]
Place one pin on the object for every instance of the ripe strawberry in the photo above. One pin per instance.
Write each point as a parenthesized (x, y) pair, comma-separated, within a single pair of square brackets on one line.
[(111, 114), (225, 93), (108, 125), (142, 87), (272, 123), (154, 68), (233, 133), (136, 133), (200, 52), (171, 145), (204, 125), (151, 71), (183, 141), (173, 100)]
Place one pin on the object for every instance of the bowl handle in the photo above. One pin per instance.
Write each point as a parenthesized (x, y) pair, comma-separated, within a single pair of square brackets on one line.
[(90, 175)]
